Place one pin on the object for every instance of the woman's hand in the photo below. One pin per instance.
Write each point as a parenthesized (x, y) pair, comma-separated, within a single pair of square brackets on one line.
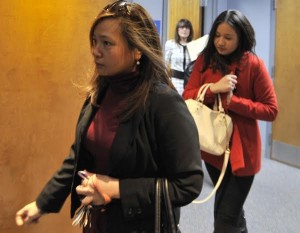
[(225, 84), (28, 214), (98, 189)]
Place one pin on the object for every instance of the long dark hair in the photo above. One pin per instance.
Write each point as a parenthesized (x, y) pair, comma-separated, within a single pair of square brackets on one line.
[(140, 32), (184, 23), (246, 37)]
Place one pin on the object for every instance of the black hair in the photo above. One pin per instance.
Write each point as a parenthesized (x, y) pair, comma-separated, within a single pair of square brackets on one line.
[(246, 37)]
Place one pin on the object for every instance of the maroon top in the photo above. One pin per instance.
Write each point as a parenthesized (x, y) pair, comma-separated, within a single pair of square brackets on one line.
[(102, 131)]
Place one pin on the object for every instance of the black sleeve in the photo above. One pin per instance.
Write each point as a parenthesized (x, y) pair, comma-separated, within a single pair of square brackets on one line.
[(177, 154)]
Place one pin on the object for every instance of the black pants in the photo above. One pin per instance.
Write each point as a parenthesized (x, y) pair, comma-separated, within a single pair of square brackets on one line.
[(229, 200)]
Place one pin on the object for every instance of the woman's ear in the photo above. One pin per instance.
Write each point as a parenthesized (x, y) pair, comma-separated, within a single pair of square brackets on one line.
[(137, 54)]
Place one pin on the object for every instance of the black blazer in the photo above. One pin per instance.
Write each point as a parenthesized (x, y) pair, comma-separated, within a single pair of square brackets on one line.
[(158, 141)]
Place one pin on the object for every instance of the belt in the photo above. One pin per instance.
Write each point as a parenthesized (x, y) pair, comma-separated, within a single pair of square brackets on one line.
[(177, 74)]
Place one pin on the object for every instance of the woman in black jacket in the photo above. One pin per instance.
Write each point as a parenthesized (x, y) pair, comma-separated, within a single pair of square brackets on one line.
[(132, 129)]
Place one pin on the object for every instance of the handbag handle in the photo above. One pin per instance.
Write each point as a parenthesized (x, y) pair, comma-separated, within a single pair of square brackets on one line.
[(157, 214), (218, 102), (161, 186), (202, 91), (169, 208)]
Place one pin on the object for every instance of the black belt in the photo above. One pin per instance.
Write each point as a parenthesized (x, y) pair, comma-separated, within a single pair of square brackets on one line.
[(177, 74)]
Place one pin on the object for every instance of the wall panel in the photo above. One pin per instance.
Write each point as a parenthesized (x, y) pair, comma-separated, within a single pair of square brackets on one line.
[(44, 48), (286, 128)]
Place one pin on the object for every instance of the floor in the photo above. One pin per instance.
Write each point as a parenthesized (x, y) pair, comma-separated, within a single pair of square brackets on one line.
[(273, 204)]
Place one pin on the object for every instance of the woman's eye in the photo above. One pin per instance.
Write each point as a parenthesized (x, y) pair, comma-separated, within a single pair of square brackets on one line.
[(106, 43)]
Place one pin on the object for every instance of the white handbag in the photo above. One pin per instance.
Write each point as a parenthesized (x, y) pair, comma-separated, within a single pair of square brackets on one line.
[(214, 126), (214, 129)]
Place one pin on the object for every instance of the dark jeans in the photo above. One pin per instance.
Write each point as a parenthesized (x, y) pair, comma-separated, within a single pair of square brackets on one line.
[(229, 199)]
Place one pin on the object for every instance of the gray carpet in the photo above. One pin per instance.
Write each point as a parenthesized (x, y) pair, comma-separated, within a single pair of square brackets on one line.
[(273, 204)]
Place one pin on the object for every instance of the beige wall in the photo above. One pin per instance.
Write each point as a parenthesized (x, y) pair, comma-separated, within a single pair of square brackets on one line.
[(44, 46), (287, 70)]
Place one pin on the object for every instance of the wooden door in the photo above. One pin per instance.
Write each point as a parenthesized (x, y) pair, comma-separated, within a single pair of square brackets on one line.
[(189, 9), (286, 128)]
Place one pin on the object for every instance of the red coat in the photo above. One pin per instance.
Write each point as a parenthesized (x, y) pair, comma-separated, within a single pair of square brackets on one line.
[(254, 99)]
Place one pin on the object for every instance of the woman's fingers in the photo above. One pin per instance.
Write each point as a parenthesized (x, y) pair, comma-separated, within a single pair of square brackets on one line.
[(20, 218), (84, 182), (31, 219), (29, 214), (83, 190), (86, 194), (87, 200), (89, 195), (225, 84), (231, 81)]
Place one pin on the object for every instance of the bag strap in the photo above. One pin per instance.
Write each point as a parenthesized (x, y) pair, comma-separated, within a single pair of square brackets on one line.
[(169, 208), (202, 91), (218, 102), (162, 187), (157, 214), (225, 163), (220, 106)]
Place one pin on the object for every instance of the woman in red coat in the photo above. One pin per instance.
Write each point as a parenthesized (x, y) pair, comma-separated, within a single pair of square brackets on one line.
[(229, 62)]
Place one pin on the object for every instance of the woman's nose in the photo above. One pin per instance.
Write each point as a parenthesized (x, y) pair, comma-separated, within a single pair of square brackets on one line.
[(220, 41), (96, 51)]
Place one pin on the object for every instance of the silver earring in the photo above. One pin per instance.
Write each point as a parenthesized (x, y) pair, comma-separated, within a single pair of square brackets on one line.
[(138, 63)]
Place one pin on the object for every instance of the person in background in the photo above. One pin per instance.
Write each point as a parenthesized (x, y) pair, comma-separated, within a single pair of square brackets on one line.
[(229, 62), (133, 128), (176, 53)]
